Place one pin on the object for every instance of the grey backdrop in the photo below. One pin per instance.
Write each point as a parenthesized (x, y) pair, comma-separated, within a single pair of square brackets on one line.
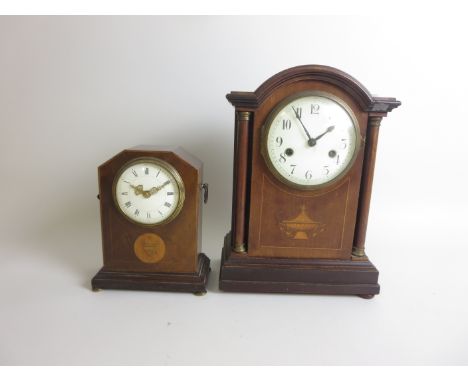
[(74, 91)]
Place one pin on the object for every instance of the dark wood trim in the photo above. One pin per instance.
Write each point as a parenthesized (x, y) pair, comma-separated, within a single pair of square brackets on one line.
[(327, 74), (344, 277), (383, 104), (366, 291), (154, 281), (243, 100), (366, 185)]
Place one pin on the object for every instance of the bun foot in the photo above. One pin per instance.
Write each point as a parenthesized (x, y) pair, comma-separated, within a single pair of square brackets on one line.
[(366, 296), (200, 293)]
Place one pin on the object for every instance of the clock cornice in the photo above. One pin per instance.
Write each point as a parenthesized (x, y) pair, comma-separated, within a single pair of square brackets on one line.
[(250, 101)]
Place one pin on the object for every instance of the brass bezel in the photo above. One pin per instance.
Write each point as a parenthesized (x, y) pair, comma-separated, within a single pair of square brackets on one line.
[(170, 169), (266, 129)]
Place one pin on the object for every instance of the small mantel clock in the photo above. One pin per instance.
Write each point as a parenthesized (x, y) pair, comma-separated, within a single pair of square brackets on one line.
[(304, 154), (151, 206)]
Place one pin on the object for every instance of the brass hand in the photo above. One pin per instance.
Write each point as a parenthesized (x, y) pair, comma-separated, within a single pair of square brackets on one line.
[(154, 190), (147, 193), (138, 189)]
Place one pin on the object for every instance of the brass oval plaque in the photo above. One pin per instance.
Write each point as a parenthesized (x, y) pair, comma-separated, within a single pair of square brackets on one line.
[(149, 248)]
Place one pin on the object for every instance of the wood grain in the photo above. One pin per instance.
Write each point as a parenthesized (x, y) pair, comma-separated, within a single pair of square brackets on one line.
[(276, 260), (181, 237)]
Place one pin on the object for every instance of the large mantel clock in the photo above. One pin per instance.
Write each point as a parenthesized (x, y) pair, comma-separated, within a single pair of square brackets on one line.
[(305, 149), (151, 205)]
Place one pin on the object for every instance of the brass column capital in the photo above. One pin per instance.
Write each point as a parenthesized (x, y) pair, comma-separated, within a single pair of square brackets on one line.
[(243, 115), (374, 121)]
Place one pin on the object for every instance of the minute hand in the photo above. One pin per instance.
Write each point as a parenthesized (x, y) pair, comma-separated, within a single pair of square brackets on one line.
[(310, 141), (154, 190), (329, 129)]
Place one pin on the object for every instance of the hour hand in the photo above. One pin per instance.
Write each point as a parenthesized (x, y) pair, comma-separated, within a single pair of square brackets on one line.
[(138, 189), (329, 130)]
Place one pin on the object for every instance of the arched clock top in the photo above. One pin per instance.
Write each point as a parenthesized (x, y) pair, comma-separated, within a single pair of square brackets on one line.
[(251, 100)]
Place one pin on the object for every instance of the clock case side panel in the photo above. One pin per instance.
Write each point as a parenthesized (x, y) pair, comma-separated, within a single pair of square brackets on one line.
[(197, 164), (187, 268)]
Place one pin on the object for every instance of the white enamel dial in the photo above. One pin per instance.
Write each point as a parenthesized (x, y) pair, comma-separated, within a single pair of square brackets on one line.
[(149, 191), (310, 141)]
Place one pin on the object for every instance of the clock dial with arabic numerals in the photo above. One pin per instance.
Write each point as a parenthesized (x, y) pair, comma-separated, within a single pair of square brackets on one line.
[(149, 191), (310, 141)]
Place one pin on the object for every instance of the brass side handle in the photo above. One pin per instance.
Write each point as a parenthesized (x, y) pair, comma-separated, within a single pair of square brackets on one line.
[(204, 187)]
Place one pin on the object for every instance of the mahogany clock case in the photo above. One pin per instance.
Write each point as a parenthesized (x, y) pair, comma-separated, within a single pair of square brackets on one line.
[(259, 254), (183, 267)]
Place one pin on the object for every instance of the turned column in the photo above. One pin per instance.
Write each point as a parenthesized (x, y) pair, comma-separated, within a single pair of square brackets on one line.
[(366, 184), (238, 239)]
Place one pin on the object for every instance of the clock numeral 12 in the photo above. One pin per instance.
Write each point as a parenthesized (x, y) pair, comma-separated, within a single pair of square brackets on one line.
[(314, 108)]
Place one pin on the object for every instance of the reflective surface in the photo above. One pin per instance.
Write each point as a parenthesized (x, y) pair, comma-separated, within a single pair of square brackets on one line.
[(311, 141)]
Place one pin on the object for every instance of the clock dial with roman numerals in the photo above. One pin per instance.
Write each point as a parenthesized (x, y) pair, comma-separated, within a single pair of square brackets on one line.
[(149, 191), (310, 141)]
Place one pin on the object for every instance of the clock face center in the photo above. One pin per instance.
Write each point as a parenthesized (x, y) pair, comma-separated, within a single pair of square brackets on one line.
[(310, 140)]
